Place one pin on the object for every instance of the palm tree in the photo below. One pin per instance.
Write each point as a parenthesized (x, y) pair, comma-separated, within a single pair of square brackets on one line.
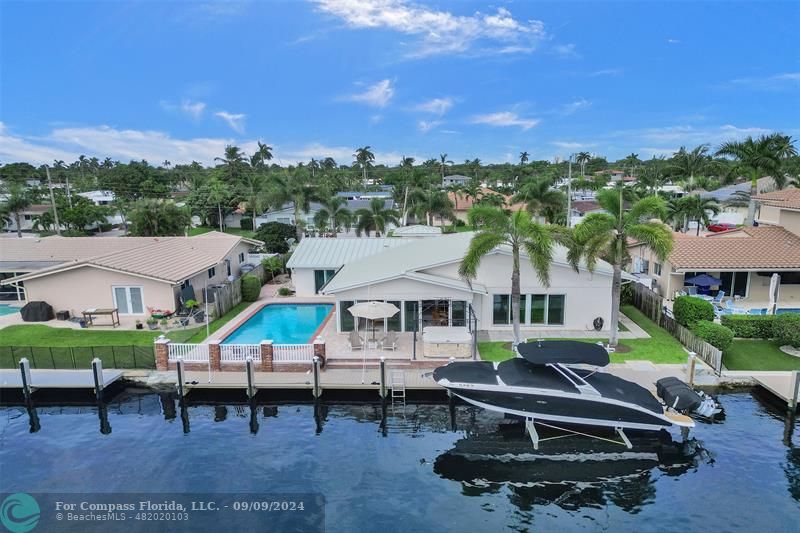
[(443, 162), (263, 154), (607, 236), (333, 214), (364, 158), (688, 164), (632, 161), (233, 161), (314, 166), (698, 208), (434, 203), (523, 158), (328, 164), (653, 176), (538, 194), (294, 189), (757, 158), (475, 166), (517, 231), (17, 202), (582, 158), (375, 218)]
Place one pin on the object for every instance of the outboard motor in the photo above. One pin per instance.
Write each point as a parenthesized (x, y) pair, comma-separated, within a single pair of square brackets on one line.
[(681, 397)]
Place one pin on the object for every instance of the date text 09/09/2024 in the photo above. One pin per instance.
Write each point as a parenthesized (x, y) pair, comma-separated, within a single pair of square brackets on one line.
[(174, 506)]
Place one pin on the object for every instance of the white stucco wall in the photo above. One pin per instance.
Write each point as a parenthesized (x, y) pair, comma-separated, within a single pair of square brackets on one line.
[(303, 279)]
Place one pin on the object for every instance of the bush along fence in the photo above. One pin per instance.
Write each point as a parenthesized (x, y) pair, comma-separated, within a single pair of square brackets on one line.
[(78, 358), (652, 305)]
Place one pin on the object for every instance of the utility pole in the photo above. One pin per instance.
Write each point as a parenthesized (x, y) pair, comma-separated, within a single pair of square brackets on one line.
[(53, 200), (569, 194)]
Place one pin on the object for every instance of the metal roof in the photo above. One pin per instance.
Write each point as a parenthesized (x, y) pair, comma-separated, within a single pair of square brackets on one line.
[(317, 252), (417, 229)]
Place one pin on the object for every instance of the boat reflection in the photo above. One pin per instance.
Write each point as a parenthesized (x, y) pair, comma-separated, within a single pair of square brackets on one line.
[(573, 472)]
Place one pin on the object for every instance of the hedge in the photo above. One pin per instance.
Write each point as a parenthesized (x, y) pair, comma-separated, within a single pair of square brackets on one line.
[(688, 310), (749, 326), (786, 328), (246, 223), (251, 288), (716, 335)]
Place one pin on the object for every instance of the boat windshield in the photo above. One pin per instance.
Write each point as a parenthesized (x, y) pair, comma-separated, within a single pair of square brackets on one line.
[(518, 372)]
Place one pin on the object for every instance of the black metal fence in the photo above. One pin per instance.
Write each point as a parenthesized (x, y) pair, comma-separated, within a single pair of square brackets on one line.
[(78, 358)]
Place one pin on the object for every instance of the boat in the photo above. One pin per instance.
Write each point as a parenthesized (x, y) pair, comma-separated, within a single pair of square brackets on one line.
[(561, 382)]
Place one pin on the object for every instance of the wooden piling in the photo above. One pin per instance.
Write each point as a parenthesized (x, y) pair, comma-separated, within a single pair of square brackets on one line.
[(382, 390), (97, 372), (181, 378), (317, 391), (251, 381), (794, 389), (25, 370), (690, 368)]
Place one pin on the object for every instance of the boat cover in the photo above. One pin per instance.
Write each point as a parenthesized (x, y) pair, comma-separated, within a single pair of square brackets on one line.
[(563, 352), (37, 312), (677, 394)]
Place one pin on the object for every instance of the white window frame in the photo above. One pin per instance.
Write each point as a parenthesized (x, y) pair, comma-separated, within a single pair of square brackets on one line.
[(128, 295)]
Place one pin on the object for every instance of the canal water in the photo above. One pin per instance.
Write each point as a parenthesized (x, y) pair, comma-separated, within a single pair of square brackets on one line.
[(416, 472)]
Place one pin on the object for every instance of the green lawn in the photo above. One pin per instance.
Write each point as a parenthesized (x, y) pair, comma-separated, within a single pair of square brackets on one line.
[(199, 230), (660, 348), (750, 354), (200, 333), (41, 335)]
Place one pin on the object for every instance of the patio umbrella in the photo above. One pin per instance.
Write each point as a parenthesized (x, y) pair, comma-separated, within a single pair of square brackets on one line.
[(703, 280), (371, 311), (774, 291)]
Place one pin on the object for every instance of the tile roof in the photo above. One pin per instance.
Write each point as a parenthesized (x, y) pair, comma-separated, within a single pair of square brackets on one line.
[(318, 252), (786, 198), (764, 247), (464, 203), (584, 206), (169, 259)]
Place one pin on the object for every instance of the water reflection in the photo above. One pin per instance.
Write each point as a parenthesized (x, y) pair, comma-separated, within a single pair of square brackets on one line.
[(572, 473)]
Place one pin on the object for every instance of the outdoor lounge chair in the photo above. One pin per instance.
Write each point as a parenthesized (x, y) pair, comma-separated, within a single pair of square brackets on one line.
[(355, 341), (692, 291), (718, 298), (735, 310), (389, 342)]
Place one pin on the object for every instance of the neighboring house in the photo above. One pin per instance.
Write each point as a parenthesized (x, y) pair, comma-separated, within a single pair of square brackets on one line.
[(723, 195), (462, 203), (581, 208), (780, 208), (27, 217), (417, 231), (285, 214), (316, 260), (129, 273), (744, 259), (421, 278), (385, 192), (455, 179), (103, 198)]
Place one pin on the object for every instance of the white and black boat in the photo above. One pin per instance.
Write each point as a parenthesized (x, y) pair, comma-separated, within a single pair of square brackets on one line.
[(559, 382)]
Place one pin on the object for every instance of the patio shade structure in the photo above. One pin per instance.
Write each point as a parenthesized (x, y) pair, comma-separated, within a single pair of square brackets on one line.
[(703, 280), (371, 311)]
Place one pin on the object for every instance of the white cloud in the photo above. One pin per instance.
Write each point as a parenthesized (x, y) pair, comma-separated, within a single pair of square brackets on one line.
[(17, 148), (570, 145), (193, 109), (234, 120), (673, 41), (436, 106), (606, 72), (377, 95), (427, 125), (440, 32), (566, 50), (505, 118), (777, 81), (577, 105)]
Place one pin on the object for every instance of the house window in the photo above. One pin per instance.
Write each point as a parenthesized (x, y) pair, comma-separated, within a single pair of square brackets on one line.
[(128, 300), (228, 266), (27, 217), (321, 277), (645, 266), (346, 320), (547, 309), (184, 284), (501, 309), (411, 309), (657, 269), (458, 310), (241, 258), (212, 272)]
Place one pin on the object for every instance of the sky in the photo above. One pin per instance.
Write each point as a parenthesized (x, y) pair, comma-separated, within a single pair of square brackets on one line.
[(179, 80)]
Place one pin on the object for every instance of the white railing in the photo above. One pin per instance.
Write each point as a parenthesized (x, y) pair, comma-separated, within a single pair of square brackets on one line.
[(292, 353), (191, 353), (238, 353)]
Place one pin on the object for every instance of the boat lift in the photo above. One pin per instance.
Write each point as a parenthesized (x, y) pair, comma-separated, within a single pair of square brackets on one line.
[(530, 427)]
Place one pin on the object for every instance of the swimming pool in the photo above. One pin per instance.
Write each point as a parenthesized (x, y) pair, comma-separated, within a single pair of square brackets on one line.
[(781, 311), (6, 309), (281, 323)]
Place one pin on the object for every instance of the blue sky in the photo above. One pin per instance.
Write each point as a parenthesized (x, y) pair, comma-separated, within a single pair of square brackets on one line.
[(179, 80)]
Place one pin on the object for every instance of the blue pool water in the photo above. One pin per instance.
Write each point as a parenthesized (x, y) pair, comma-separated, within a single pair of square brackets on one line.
[(781, 311), (415, 472), (6, 309), (281, 323)]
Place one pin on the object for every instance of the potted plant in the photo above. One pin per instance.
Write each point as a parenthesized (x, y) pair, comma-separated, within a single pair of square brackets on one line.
[(152, 323), (164, 323), (139, 324)]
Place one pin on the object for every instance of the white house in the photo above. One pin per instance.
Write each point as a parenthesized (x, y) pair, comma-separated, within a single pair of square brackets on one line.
[(455, 179), (315, 260), (421, 278), (103, 198), (285, 214)]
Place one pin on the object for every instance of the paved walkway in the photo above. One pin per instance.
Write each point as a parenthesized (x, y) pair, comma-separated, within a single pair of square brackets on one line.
[(634, 332)]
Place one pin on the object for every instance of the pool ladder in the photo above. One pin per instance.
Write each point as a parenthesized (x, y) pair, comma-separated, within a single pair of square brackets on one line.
[(398, 385)]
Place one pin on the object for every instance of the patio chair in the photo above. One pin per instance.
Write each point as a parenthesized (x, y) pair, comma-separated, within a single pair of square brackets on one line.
[(718, 298), (719, 311), (691, 291), (755, 312), (735, 310), (355, 341), (389, 342)]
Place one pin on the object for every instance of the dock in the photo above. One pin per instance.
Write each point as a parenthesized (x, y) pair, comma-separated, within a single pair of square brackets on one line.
[(57, 379), (418, 379), (784, 385)]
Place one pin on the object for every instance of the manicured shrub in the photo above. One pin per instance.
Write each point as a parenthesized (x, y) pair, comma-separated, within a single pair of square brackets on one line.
[(716, 335), (246, 223), (274, 235), (285, 291), (688, 310), (750, 326), (786, 328), (251, 287)]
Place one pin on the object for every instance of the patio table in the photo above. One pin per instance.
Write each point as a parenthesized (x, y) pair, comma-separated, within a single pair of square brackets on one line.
[(89, 314)]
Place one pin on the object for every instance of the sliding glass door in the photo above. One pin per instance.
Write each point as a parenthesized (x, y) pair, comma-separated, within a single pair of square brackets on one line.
[(128, 300)]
